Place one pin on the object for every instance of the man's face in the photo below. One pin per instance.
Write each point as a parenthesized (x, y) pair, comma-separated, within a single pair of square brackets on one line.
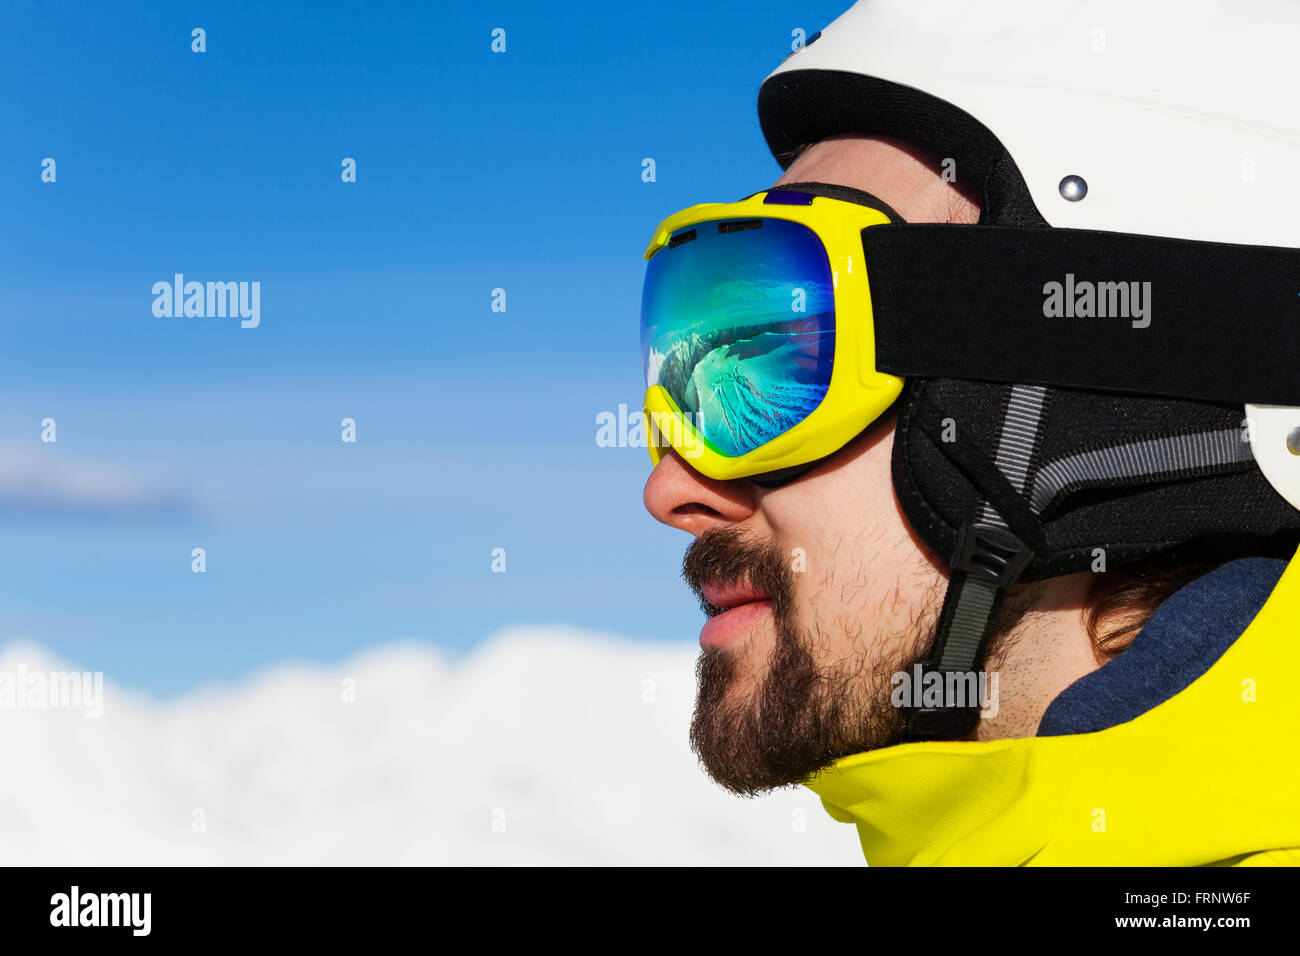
[(830, 592)]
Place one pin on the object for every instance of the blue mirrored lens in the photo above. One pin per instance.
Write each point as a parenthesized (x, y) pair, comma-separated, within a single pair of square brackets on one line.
[(738, 325)]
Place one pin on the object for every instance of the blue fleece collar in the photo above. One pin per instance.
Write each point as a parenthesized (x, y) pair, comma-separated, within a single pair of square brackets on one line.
[(1182, 640)]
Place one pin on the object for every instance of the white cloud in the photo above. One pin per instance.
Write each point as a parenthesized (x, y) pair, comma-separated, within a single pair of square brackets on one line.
[(43, 480), (549, 726)]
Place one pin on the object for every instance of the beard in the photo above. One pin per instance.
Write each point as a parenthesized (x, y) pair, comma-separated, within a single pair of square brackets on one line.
[(803, 714)]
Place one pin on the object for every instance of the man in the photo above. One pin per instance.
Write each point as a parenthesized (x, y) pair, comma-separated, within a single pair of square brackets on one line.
[(1011, 592)]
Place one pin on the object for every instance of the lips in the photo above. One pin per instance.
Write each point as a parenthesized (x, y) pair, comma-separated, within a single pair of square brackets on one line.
[(734, 611), (724, 597)]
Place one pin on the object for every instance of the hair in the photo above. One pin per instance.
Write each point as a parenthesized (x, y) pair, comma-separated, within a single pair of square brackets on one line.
[(1121, 602), (786, 158)]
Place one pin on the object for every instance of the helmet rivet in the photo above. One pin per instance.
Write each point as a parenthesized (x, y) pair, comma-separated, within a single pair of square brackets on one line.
[(1073, 188), (1293, 441)]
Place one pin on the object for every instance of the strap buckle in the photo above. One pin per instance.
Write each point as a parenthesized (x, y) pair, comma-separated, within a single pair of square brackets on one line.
[(990, 554)]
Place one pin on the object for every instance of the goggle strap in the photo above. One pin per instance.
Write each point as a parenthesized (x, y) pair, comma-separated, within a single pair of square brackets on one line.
[(1198, 320)]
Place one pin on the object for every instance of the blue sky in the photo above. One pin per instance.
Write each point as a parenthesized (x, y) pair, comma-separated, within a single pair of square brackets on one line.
[(475, 429)]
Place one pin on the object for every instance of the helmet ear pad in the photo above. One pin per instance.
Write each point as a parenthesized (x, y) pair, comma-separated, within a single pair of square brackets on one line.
[(943, 472)]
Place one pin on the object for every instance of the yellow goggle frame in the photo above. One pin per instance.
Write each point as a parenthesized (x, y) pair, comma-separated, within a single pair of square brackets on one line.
[(857, 394)]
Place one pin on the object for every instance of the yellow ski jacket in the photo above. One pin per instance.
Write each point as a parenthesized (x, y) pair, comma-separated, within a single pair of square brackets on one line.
[(1211, 776)]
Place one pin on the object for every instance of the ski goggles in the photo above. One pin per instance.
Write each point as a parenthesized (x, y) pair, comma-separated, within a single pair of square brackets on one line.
[(756, 333), (775, 329)]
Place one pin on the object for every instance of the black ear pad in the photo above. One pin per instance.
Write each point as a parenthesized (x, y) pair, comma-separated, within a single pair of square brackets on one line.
[(943, 471)]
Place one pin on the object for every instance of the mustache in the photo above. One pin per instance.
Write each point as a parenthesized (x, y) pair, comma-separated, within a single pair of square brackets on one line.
[(730, 556)]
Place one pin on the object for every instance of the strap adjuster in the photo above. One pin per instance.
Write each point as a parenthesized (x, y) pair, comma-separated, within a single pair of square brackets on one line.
[(990, 554)]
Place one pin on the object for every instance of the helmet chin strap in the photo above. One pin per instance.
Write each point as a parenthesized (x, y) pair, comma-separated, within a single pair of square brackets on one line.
[(986, 563)]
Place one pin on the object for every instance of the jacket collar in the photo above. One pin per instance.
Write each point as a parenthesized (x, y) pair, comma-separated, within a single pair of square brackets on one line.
[(1204, 776)]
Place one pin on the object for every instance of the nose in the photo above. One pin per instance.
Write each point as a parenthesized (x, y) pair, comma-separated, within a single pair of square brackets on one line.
[(679, 496)]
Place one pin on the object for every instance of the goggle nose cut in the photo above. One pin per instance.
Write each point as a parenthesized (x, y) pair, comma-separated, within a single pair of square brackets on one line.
[(783, 476)]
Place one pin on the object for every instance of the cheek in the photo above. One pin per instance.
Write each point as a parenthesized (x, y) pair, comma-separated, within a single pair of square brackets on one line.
[(843, 511), (863, 573)]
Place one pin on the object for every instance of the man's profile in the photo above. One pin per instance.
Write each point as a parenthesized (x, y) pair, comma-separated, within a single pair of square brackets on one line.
[(1070, 528)]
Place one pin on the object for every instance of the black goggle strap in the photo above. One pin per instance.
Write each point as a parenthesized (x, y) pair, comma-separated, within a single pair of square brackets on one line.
[(1087, 309)]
